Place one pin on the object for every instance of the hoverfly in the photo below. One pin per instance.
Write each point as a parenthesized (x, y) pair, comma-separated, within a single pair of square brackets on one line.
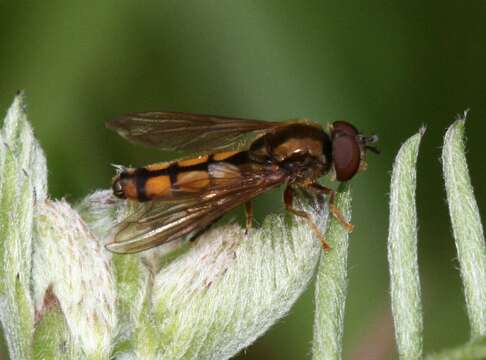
[(238, 160)]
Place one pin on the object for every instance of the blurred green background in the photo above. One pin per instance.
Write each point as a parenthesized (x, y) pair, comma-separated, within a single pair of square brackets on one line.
[(388, 67)]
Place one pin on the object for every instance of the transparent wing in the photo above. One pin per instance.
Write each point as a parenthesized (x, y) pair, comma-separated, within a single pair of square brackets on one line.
[(160, 221), (188, 132)]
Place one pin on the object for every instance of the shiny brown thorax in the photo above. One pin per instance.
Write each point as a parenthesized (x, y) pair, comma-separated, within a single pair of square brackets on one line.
[(302, 151)]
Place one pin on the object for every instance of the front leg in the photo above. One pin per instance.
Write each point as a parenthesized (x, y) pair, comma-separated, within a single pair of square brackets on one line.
[(319, 189), (288, 200)]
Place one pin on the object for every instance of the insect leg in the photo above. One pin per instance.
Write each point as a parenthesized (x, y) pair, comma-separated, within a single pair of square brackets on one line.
[(249, 216), (319, 189), (288, 197)]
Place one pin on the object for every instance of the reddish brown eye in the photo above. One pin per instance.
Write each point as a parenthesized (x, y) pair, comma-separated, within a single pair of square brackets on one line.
[(343, 127), (346, 156)]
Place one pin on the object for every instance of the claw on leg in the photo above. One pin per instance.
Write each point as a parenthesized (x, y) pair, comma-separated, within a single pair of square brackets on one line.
[(338, 215)]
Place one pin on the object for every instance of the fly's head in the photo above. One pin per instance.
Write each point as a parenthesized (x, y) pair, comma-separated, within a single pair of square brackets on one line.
[(349, 149)]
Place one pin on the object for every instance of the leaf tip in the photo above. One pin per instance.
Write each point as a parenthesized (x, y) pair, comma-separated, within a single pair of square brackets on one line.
[(423, 130), (19, 100), (460, 120), (463, 116)]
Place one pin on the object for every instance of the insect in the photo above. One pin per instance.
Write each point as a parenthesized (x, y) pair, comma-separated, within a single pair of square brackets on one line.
[(238, 160)]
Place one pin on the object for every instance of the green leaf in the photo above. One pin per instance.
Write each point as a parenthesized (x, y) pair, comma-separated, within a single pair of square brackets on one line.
[(52, 339), (215, 296), (402, 252), (72, 266), (331, 286), (466, 226), (23, 180)]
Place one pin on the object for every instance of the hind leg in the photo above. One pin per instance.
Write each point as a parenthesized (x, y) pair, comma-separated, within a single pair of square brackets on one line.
[(249, 216)]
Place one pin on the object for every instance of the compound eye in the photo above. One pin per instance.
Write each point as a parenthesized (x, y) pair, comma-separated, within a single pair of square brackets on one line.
[(346, 155), (343, 128)]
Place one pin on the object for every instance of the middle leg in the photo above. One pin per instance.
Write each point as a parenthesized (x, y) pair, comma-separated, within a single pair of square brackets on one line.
[(288, 200), (338, 215)]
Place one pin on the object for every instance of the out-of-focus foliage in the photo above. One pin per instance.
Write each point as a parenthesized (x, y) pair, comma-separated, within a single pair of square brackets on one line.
[(387, 67)]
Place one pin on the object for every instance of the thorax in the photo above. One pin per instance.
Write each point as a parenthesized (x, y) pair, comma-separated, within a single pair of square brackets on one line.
[(302, 150)]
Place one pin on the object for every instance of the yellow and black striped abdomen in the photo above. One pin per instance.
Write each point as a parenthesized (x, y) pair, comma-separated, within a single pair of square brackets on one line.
[(164, 180)]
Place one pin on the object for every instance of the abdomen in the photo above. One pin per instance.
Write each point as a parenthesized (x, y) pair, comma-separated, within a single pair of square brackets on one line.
[(167, 180)]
